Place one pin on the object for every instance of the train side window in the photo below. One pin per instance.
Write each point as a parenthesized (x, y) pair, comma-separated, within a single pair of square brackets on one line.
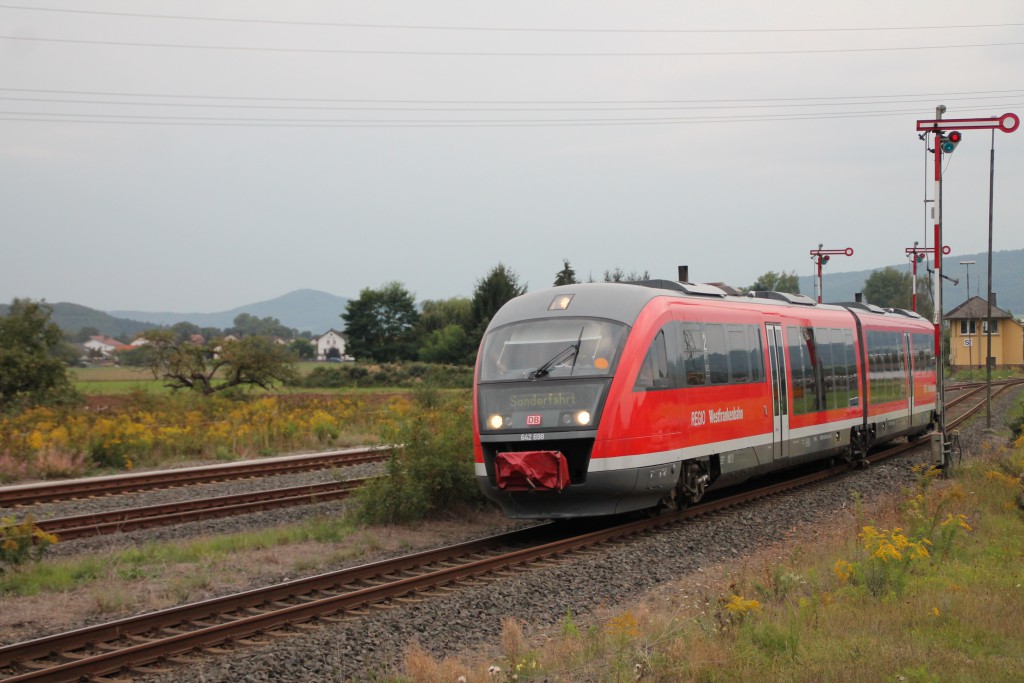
[(801, 368), (718, 359), (691, 350), (756, 353), (654, 370), (739, 354), (850, 354), (823, 356)]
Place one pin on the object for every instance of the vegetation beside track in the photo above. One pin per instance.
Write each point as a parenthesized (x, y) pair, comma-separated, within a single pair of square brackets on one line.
[(931, 590), (144, 430)]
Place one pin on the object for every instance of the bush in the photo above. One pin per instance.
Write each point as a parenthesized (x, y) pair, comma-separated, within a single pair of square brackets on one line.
[(21, 541), (365, 375), (431, 473)]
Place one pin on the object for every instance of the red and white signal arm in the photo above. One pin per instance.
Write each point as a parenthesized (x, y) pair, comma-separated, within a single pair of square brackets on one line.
[(1007, 123)]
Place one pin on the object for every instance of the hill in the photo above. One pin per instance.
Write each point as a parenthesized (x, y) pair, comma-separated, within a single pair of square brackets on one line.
[(72, 317), (303, 309), (1007, 283)]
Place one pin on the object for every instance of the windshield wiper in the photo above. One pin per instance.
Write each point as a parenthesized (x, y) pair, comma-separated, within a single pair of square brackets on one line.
[(560, 357)]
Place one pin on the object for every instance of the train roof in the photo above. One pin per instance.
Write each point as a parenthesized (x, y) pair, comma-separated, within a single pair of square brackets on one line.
[(624, 301)]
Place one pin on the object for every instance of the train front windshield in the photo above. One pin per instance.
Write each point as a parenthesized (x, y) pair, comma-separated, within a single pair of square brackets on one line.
[(547, 374), (539, 349)]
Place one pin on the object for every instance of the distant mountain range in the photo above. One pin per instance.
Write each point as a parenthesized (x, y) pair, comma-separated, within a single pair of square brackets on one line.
[(304, 310), (1007, 280)]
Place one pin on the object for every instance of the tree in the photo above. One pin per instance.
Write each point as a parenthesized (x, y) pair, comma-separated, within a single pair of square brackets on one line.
[(83, 335), (380, 324), (451, 345), (777, 282), (619, 275), (437, 315), (246, 325), (494, 290), (888, 288), (566, 276), (445, 331), (184, 330), (303, 348), (219, 365), (29, 371)]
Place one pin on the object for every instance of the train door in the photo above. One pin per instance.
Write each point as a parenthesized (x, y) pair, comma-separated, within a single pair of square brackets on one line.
[(780, 400)]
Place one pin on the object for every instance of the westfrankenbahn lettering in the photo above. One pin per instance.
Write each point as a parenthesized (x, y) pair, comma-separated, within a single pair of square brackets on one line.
[(730, 415)]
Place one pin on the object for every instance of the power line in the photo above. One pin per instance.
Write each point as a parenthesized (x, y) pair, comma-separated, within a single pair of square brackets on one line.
[(516, 29), (493, 108), (453, 53), (135, 119), (993, 93)]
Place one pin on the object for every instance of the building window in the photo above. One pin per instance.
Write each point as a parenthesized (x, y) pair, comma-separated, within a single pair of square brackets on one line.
[(968, 327), (995, 327)]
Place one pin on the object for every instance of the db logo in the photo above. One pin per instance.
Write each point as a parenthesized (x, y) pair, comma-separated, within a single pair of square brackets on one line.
[(533, 420)]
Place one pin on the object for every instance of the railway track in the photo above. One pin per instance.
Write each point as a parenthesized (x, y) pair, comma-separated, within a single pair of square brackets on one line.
[(46, 492), (131, 519), (153, 642)]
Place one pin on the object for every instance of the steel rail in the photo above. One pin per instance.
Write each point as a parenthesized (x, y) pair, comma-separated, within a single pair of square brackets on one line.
[(130, 519), (27, 494)]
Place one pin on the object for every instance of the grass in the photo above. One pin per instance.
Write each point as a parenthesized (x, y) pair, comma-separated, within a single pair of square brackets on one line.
[(152, 560), (111, 380), (829, 610)]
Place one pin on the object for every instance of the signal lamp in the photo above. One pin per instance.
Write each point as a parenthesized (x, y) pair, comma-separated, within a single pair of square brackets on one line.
[(920, 258), (825, 258), (949, 142)]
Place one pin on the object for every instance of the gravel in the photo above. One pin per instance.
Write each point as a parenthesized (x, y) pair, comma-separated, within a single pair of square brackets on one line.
[(362, 647)]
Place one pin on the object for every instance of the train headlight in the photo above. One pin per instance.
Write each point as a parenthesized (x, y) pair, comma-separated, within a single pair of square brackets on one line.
[(496, 421), (583, 418)]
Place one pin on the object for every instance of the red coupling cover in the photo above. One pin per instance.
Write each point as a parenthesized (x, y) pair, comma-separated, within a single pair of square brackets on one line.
[(531, 471)]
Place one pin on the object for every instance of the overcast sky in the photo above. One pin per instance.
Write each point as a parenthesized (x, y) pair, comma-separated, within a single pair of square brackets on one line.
[(197, 156)]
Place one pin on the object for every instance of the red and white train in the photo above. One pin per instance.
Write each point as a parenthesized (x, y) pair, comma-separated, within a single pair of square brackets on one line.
[(598, 399)]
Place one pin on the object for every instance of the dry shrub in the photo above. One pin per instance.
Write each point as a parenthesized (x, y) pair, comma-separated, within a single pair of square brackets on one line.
[(513, 642), (418, 665)]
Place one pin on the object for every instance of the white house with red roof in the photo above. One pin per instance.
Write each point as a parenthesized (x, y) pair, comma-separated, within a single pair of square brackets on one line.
[(105, 346)]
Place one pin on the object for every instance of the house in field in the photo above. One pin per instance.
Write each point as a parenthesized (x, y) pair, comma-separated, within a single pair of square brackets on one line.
[(968, 335), (98, 345), (331, 344)]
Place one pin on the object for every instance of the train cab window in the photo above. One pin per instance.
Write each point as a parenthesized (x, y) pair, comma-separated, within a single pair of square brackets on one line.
[(718, 359), (654, 370), (691, 351)]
